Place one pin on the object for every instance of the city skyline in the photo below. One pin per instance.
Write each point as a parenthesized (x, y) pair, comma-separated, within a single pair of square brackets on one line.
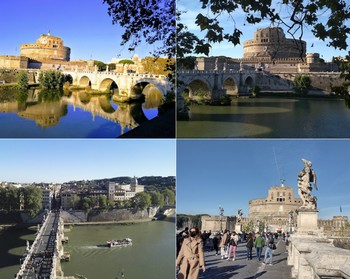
[(192, 9), (48, 161), (230, 173), (86, 28)]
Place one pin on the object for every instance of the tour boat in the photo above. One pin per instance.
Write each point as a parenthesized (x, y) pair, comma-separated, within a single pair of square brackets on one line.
[(119, 243)]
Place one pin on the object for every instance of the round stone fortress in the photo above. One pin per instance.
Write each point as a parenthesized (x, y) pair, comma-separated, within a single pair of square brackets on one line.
[(279, 202), (46, 47), (272, 43)]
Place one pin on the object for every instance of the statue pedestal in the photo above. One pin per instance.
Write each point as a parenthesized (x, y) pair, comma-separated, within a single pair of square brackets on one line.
[(238, 228), (307, 221)]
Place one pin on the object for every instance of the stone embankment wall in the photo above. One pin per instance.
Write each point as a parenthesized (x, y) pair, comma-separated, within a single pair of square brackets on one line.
[(77, 216), (10, 75)]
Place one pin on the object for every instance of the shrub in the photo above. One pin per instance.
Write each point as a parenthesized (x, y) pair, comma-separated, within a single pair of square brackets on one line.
[(22, 80), (301, 84)]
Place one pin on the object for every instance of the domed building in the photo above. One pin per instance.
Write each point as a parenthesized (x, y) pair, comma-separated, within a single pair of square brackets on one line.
[(271, 43), (46, 47)]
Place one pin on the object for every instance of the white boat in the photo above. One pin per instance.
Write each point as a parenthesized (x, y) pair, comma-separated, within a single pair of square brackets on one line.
[(119, 243)]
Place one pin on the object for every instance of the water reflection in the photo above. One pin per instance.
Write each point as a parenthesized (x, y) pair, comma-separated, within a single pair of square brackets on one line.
[(47, 107)]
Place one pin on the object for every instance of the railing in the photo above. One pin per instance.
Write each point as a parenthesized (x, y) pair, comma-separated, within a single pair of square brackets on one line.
[(119, 74)]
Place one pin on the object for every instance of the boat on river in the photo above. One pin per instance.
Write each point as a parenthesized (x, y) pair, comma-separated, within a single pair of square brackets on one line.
[(119, 243)]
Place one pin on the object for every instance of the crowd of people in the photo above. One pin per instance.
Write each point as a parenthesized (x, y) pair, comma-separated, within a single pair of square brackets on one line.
[(191, 244)]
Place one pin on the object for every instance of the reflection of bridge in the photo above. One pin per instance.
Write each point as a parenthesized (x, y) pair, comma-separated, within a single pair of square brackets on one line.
[(127, 115), (42, 257), (127, 83)]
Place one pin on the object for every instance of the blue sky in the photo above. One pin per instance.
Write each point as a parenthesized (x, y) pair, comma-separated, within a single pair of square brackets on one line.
[(192, 8), (232, 172), (65, 160), (84, 26)]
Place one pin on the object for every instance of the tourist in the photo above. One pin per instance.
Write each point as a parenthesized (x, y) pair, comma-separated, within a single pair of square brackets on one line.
[(249, 245), (216, 243), (287, 242), (270, 246), (233, 246), (191, 256), (259, 244), (224, 240)]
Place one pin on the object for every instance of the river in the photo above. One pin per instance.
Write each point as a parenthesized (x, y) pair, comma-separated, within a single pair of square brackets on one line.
[(269, 118), (152, 254), (38, 114)]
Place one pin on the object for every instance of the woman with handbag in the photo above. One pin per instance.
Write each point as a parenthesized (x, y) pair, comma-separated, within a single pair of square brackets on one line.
[(270, 246)]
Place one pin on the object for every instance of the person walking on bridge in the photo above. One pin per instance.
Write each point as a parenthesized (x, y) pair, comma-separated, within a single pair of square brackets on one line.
[(191, 256), (259, 244)]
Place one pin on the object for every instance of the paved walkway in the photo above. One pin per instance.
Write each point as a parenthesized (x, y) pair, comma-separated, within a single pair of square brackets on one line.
[(242, 268)]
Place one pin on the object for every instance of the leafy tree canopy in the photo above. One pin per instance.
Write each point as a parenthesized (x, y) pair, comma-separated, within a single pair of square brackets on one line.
[(326, 20), (126, 61), (150, 20)]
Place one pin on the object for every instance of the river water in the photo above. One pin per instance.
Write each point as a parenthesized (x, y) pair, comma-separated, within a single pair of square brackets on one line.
[(269, 118), (40, 114), (152, 254)]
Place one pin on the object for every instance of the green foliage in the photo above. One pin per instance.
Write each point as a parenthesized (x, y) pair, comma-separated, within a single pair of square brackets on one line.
[(150, 21), (341, 90), (112, 66), (52, 79), (256, 90), (126, 61), (32, 200), (301, 15), (22, 80), (103, 202), (186, 63), (141, 201), (169, 196), (101, 66), (301, 84), (158, 65), (248, 227), (157, 199), (86, 204)]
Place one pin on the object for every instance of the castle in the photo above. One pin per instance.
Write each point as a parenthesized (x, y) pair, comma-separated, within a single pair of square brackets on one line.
[(48, 53)]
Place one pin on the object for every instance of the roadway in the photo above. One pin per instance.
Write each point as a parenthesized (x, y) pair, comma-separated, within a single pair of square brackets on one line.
[(241, 268), (40, 264)]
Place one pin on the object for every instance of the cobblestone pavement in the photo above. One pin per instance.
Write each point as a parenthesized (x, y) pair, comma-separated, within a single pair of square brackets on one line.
[(242, 268)]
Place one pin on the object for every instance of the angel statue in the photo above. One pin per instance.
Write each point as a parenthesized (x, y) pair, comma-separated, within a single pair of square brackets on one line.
[(307, 180), (239, 215)]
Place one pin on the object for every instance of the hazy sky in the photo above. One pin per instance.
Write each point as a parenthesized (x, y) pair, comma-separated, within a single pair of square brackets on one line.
[(65, 160), (84, 26), (232, 172), (192, 8)]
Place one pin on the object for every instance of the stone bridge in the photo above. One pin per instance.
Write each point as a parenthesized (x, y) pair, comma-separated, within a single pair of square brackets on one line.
[(215, 84), (128, 84)]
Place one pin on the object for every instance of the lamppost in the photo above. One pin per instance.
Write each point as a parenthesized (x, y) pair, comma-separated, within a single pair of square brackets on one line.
[(221, 215)]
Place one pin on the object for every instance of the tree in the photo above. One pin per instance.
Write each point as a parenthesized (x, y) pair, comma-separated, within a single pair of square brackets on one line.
[(112, 66), (169, 196), (301, 84), (301, 14), (126, 61), (158, 66), (149, 20), (101, 66), (52, 79), (86, 204), (157, 199), (32, 200), (22, 80), (141, 201), (103, 202)]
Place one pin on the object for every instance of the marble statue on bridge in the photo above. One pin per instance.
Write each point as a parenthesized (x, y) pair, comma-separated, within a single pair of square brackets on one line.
[(239, 215), (307, 181)]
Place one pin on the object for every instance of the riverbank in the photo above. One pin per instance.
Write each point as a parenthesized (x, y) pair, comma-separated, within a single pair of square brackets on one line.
[(124, 222)]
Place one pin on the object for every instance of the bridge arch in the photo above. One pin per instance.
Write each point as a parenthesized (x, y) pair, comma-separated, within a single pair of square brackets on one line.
[(108, 84), (84, 81), (249, 82), (231, 86), (198, 87)]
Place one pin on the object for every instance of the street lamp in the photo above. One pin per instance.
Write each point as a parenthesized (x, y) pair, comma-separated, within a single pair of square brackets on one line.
[(221, 214)]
